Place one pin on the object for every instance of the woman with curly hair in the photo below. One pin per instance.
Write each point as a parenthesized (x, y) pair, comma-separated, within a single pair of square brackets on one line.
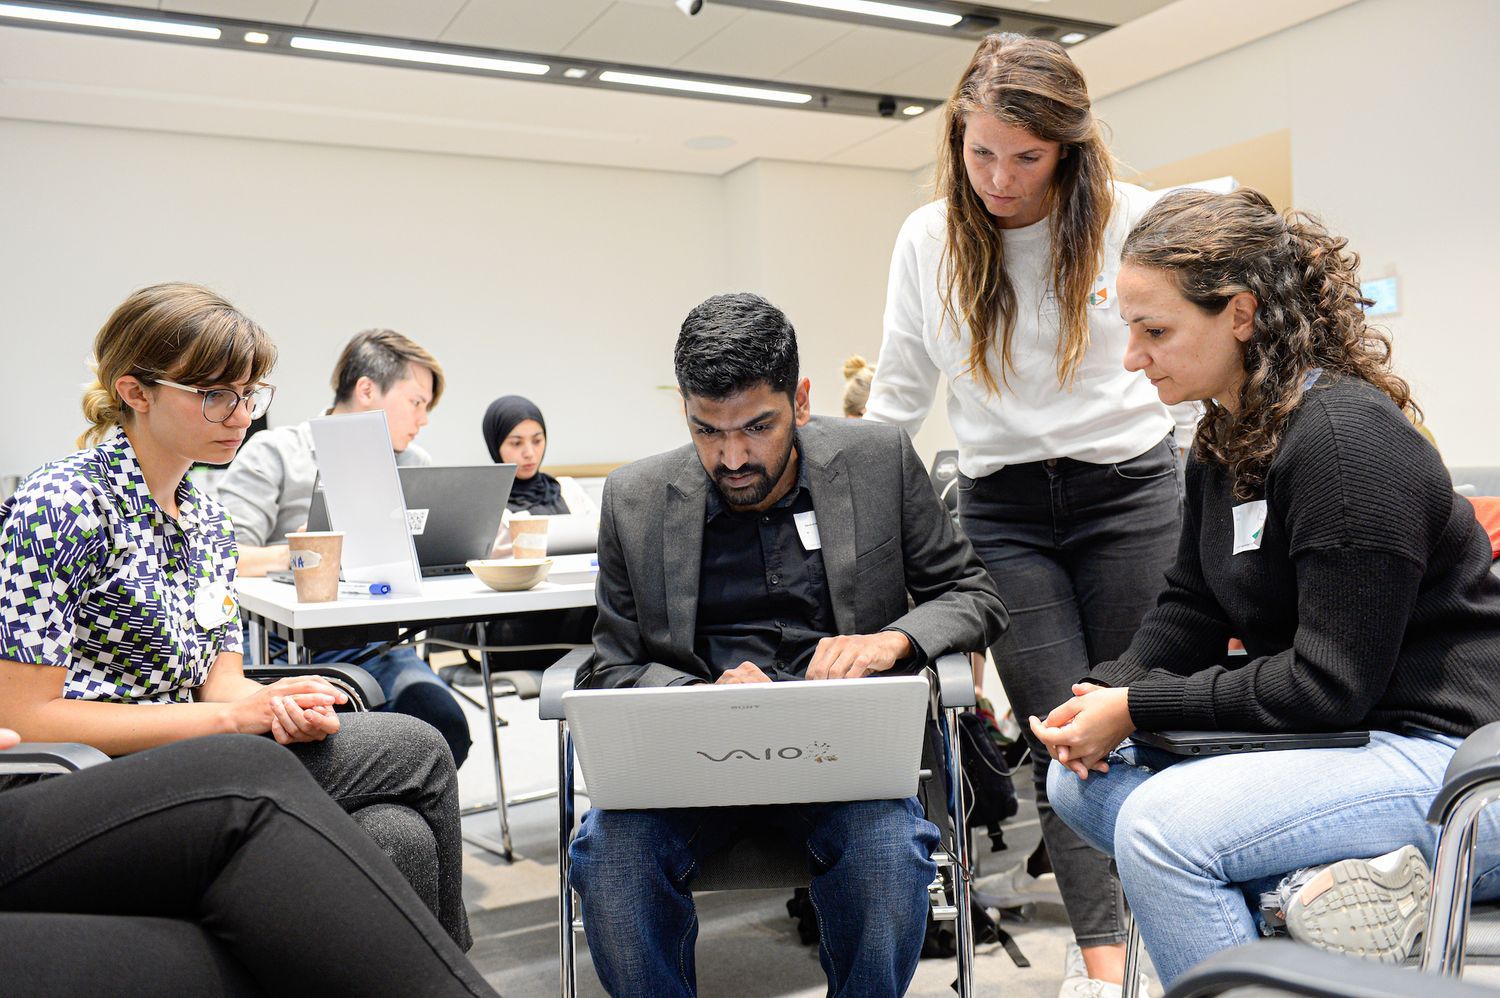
[(1322, 531)]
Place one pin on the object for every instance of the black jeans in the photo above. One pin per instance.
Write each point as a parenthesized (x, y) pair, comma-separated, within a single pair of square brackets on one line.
[(214, 866), (1079, 553)]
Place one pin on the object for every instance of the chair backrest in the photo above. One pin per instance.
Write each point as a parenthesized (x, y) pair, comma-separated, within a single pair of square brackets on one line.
[(38, 758), (1485, 479), (944, 475)]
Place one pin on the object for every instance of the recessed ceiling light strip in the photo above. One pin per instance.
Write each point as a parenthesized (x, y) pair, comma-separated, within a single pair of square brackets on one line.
[(685, 85), (896, 12), (109, 22), (457, 60)]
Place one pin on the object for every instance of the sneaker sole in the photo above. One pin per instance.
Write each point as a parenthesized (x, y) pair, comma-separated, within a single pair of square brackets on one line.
[(1355, 909)]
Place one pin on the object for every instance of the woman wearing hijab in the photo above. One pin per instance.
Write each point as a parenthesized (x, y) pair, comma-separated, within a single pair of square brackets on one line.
[(515, 433)]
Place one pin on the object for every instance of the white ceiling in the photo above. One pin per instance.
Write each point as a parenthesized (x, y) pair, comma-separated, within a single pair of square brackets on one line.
[(129, 82)]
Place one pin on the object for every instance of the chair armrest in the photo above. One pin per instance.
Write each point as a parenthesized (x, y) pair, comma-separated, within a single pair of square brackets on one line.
[(1297, 969), (363, 691), (31, 758), (955, 678), (1476, 761), (560, 677)]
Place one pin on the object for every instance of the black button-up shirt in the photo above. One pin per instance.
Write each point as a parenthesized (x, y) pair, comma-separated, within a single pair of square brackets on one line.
[(763, 596)]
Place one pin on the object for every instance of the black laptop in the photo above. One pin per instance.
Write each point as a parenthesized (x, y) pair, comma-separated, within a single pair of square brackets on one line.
[(454, 513), (1228, 742)]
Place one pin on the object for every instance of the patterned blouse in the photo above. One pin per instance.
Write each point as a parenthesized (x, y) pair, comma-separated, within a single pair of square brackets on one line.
[(95, 577)]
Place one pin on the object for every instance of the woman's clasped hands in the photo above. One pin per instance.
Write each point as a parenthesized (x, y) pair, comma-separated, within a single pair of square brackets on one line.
[(295, 709), (1082, 731)]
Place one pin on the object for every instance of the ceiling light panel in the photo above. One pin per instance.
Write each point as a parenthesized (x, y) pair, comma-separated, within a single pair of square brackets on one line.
[(888, 11), (71, 17), (427, 57), (682, 84), (949, 18)]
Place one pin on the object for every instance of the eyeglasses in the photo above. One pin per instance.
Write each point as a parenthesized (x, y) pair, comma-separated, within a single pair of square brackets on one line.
[(219, 403)]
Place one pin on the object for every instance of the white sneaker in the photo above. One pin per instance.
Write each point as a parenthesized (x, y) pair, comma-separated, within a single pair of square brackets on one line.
[(1371, 908), (1073, 965), (1078, 984), (1087, 987)]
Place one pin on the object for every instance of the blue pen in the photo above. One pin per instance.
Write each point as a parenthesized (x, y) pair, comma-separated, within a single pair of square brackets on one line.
[(365, 588)]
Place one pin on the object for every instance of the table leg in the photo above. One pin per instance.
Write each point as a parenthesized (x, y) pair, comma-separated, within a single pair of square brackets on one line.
[(489, 705), (293, 650), (255, 650)]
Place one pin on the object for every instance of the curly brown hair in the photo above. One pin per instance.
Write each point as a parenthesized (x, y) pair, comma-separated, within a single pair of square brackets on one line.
[(1031, 84), (1309, 313)]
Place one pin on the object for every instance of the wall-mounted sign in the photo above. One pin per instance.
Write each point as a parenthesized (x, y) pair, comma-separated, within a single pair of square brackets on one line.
[(1385, 292)]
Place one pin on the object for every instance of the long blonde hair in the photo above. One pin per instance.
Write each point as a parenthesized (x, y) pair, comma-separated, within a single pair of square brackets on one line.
[(181, 332), (1033, 85), (858, 374)]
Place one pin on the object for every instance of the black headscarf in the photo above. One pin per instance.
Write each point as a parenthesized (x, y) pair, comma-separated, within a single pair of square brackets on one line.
[(540, 493)]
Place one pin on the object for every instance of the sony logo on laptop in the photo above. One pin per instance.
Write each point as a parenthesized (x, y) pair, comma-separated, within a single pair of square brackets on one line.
[(817, 752)]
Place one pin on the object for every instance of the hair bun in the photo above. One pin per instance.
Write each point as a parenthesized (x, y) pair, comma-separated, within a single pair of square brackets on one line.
[(854, 365), (102, 412)]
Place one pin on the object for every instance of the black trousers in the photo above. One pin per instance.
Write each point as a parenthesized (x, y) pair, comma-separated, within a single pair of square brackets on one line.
[(1079, 553), (214, 866)]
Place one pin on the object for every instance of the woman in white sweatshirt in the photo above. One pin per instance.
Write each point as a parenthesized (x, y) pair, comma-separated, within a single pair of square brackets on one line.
[(1004, 286)]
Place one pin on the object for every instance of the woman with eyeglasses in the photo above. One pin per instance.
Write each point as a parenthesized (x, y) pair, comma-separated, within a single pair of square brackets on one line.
[(119, 625)]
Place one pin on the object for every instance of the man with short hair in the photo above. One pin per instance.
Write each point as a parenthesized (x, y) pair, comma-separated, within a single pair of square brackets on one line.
[(268, 491), (775, 547)]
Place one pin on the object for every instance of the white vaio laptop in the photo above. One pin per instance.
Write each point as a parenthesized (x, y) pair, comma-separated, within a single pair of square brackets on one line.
[(754, 743)]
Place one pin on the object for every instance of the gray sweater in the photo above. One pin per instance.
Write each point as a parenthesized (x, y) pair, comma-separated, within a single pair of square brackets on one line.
[(268, 489)]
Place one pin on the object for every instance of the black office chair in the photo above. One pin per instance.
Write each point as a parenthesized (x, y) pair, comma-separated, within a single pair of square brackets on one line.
[(1455, 928), (195, 947), (1278, 967), (753, 864), (944, 475)]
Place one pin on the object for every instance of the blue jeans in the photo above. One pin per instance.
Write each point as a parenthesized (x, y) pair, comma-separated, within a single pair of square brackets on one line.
[(1197, 840), (1079, 552), (410, 687), (871, 865)]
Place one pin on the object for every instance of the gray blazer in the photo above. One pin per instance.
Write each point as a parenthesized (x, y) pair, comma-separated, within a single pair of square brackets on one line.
[(885, 536)]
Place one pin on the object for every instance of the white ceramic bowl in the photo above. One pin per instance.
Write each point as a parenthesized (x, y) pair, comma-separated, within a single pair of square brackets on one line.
[(510, 574)]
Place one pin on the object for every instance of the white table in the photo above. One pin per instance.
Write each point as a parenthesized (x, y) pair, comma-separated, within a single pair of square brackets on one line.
[(353, 621)]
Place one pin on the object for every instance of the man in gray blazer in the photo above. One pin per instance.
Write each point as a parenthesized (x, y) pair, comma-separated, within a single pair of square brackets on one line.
[(775, 547)]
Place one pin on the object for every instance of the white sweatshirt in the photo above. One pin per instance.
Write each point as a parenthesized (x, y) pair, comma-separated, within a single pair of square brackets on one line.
[(1107, 415)]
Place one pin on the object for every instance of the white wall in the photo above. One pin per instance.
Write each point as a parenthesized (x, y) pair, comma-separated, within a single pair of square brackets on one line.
[(560, 282), (1395, 143), (817, 241), (564, 283)]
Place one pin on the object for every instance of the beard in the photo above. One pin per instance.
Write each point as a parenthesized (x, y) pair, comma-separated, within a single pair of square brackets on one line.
[(760, 486)]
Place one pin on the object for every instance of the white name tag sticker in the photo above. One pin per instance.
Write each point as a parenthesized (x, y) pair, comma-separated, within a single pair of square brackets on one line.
[(305, 559), (213, 605), (807, 529), (1249, 525)]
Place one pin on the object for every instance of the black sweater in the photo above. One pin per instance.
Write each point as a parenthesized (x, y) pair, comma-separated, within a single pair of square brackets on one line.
[(1369, 603)]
